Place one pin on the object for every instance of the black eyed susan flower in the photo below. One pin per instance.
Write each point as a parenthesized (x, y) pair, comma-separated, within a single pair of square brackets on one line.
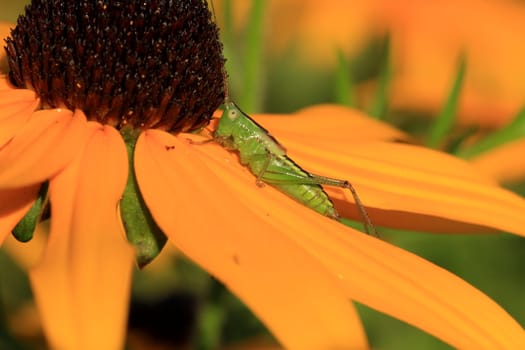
[(97, 103)]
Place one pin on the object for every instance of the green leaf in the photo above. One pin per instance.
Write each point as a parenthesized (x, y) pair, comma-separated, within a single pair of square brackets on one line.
[(141, 229), (25, 229), (251, 93), (379, 105), (211, 320), (227, 32), (455, 143), (513, 131), (344, 92), (445, 120)]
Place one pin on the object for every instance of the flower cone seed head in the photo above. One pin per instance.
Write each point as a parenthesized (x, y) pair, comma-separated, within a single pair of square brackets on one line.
[(146, 64)]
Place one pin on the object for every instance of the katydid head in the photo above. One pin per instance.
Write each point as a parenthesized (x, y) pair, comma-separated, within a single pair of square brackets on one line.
[(230, 117)]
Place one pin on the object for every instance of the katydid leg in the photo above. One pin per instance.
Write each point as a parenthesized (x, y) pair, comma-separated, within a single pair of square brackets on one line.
[(259, 181), (323, 180), (289, 176)]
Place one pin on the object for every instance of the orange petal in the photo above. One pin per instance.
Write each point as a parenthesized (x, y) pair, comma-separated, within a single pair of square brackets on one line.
[(14, 204), (327, 124), (42, 148), (82, 284), (424, 295), (10, 97), (504, 163), (16, 107), (289, 290), (412, 187), (374, 272)]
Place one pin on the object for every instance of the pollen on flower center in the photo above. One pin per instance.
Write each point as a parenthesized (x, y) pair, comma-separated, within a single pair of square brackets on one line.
[(146, 64)]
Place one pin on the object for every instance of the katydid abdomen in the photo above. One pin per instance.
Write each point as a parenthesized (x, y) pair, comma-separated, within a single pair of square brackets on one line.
[(282, 173)]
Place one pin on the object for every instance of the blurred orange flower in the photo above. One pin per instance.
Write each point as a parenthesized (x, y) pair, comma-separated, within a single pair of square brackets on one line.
[(427, 38)]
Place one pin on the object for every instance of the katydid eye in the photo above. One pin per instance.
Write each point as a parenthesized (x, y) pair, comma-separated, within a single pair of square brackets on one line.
[(232, 114)]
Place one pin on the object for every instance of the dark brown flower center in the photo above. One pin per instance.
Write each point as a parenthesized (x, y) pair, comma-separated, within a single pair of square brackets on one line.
[(147, 64)]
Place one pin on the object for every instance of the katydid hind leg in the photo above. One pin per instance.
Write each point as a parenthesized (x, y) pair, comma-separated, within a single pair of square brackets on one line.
[(288, 176), (369, 227), (323, 180)]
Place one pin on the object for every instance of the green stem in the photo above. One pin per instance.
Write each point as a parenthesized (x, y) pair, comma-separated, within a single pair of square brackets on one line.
[(512, 132), (344, 93), (379, 106), (141, 229), (445, 119), (251, 95), (227, 35), (26, 227)]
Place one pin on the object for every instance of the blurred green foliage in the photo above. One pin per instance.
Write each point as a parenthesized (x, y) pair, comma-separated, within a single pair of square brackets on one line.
[(11, 9)]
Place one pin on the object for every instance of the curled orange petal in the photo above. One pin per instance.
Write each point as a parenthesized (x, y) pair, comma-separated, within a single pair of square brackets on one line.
[(374, 272), (326, 124), (289, 290), (82, 284), (43, 147)]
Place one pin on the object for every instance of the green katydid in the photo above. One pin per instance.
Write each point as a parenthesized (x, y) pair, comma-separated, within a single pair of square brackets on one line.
[(267, 160)]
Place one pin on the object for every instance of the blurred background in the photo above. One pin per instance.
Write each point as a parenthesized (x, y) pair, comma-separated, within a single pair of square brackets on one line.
[(410, 63)]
